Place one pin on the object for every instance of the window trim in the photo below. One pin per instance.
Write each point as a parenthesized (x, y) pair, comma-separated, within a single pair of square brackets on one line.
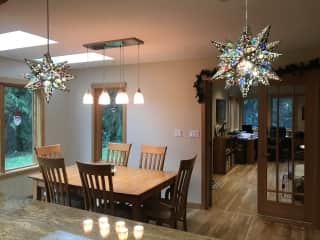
[(96, 133), (38, 130)]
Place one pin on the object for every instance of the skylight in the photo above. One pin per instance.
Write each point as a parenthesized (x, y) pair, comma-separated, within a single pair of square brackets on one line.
[(80, 58), (20, 39)]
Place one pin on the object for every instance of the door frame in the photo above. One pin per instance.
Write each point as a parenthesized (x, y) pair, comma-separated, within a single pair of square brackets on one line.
[(96, 117), (206, 145)]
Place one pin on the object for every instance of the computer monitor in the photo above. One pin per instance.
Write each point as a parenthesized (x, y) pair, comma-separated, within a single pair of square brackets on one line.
[(247, 128)]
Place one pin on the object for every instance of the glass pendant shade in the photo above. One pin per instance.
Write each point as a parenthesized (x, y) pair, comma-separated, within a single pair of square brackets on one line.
[(87, 98), (138, 97), (104, 98), (122, 97)]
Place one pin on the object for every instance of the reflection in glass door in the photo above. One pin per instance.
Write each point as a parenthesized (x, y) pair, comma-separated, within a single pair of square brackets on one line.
[(285, 145)]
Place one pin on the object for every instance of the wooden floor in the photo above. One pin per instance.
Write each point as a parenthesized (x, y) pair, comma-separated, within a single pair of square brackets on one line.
[(234, 212)]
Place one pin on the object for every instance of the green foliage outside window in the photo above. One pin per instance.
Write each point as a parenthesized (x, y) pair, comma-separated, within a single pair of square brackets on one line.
[(250, 112), (285, 112), (18, 137), (111, 123)]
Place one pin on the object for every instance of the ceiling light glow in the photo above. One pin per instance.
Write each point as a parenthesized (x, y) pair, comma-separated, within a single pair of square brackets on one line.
[(20, 39), (80, 58)]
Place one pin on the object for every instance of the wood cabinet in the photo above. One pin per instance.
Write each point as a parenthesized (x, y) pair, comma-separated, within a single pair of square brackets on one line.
[(222, 154)]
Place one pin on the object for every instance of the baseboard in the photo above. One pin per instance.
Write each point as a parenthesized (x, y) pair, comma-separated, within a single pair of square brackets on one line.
[(194, 205)]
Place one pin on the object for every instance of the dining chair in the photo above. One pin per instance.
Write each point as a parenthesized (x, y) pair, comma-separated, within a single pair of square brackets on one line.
[(97, 183), (48, 151), (55, 179), (118, 154), (152, 157), (174, 207)]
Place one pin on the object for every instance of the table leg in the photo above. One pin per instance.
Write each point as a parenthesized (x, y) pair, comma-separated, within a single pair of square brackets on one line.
[(136, 211)]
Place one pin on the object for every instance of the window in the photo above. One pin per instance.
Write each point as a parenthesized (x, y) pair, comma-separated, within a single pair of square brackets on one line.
[(250, 112), (285, 112), (109, 122), (20, 128)]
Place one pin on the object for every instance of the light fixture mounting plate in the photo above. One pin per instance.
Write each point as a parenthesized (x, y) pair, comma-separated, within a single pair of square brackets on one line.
[(114, 43)]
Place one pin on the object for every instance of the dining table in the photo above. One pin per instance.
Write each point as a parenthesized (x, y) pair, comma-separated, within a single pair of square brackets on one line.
[(130, 185), (38, 220)]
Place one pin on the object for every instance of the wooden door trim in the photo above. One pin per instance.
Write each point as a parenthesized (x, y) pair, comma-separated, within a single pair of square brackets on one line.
[(206, 146), (96, 118)]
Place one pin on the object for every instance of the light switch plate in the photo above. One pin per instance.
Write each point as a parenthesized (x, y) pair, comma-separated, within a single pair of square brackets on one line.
[(194, 133), (178, 132)]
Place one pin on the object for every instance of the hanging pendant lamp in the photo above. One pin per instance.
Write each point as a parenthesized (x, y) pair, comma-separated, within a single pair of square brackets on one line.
[(87, 97), (122, 96), (138, 96), (47, 75), (104, 98), (247, 62)]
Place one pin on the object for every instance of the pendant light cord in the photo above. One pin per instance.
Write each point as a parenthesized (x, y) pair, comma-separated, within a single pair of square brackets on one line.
[(120, 65), (123, 77), (246, 12), (138, 63), (104, 65), (48, 27)]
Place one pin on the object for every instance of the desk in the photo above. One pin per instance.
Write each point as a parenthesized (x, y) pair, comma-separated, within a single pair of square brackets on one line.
[(34, 220), (249, 151), (129, 184)]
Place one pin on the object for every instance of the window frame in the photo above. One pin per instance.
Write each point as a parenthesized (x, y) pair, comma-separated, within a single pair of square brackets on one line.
[(97, 114), (37, 128)]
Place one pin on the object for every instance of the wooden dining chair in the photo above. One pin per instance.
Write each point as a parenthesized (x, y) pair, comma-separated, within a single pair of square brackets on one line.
[(55, 179), (118, 154), (174, 208), (152, 157), (97, 184), (49, 151)]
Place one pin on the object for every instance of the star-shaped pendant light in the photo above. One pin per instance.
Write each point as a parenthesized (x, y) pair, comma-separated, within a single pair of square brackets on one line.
[(46, 74), (247, 62)]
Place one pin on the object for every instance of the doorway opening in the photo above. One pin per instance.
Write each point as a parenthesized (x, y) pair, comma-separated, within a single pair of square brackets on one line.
[(258, 150)]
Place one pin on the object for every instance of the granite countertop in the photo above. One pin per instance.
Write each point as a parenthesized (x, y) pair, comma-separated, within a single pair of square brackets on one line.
[(28, 219)]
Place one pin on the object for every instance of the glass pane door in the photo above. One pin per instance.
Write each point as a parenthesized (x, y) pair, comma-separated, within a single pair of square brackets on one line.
[(285, 145)]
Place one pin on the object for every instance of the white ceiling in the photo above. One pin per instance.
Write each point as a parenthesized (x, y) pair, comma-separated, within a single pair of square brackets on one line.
[(171, 29)]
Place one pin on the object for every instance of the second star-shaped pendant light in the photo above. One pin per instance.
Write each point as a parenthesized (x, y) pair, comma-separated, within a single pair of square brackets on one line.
[(47, 75), (247, 62)]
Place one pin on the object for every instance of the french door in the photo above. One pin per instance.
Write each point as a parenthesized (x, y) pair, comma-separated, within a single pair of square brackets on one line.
[(282, 168)]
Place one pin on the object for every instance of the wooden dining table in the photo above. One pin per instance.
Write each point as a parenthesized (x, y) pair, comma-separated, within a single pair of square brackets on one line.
[(131, 185)]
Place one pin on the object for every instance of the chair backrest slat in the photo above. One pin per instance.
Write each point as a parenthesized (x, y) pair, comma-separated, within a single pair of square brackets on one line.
[(180, 193), (49, 151), (152, 157), (56, 182), (118, 154), (98, 194)]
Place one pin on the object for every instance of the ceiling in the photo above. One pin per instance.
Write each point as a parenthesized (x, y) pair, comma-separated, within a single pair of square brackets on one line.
[(171, 29)]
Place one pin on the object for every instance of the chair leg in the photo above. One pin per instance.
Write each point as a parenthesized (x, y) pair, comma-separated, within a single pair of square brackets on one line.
[(185, 227)]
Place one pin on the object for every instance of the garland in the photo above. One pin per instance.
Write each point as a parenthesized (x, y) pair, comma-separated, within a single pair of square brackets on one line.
[(299, 68), (289, 69)]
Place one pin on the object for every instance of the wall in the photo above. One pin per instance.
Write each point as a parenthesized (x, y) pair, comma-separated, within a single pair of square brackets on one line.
[(169, 103)]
